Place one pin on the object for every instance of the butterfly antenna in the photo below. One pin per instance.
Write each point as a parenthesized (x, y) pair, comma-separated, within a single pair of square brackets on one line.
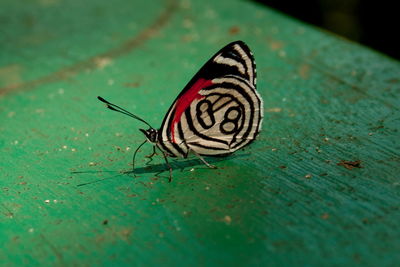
[(121, 110)]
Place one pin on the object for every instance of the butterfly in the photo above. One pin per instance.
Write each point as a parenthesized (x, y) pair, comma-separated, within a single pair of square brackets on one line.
[(218, 112)]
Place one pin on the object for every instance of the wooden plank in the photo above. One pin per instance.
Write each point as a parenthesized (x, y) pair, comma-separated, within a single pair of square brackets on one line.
[(319, 187)]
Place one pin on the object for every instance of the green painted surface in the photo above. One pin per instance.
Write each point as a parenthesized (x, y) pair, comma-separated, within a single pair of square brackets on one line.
[(282, 201)]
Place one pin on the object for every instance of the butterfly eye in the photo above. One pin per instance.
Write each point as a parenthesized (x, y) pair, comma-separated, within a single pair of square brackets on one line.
[(153, 135)]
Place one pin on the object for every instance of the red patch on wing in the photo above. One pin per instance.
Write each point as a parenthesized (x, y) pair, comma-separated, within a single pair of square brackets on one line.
[(186, 99)]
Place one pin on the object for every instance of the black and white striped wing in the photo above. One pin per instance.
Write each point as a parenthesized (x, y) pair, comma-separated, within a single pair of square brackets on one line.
[(219, 111)]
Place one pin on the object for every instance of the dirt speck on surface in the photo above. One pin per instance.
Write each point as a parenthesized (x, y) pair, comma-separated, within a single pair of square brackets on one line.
[(325, 216), (227, 219), (274, 110), (350, 164), (132, 84), (234, 30), (304, 71)]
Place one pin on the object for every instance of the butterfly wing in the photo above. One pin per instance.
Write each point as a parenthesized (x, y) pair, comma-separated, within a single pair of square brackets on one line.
[(219, 111)]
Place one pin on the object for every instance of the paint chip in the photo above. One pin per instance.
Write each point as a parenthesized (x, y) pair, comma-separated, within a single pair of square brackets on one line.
[(350, 164)]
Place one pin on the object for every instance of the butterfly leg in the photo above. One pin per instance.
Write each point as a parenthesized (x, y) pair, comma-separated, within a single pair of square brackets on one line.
[(152, 154), (169, 166), (134, 156), (203, 160)]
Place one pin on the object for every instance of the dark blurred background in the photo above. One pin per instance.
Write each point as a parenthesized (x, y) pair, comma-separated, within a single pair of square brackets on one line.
[(371, 23)]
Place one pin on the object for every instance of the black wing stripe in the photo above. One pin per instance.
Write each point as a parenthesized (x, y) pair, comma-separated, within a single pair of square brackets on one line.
[(233, 74)]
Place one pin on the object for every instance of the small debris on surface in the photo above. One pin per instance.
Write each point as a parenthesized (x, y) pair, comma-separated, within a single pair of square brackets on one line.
[(325, 216), (227, 219), (274, 110), (105, 222), (350, 164), (304, 71), (234, 30)]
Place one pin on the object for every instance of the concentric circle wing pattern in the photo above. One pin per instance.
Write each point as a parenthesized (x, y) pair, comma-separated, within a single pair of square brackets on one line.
[(219, 111)]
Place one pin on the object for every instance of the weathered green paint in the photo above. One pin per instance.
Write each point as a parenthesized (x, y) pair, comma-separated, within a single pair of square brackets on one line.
[(282, 201)]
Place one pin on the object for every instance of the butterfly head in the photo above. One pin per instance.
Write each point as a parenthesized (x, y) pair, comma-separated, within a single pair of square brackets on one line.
[(151, 134)]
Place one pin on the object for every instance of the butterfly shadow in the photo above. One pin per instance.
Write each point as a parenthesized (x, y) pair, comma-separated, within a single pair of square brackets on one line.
[(157, 168)]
